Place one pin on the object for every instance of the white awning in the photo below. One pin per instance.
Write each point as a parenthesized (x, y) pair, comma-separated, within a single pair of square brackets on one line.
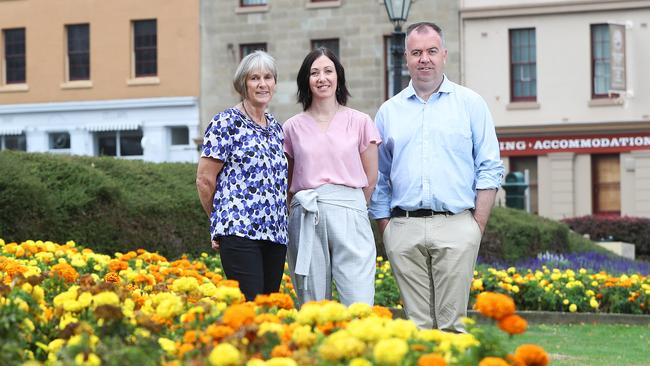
[(10, 130), (114, 126)]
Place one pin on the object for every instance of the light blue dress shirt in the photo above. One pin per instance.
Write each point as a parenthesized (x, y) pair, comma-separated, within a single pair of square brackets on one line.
[(435, 153)]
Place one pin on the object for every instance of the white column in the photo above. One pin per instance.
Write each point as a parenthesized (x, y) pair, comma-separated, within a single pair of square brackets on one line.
[(562, 185), (81, 142), (155, 143), (37, 141), (642, 182)]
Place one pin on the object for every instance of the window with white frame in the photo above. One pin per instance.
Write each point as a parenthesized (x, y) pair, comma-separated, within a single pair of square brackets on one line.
[(252, 2), (119, 143), (13, 142), (180, 135), (59, 141)]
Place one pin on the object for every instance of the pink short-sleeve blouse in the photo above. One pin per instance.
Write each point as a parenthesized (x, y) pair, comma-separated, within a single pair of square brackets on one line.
[(332, 156)]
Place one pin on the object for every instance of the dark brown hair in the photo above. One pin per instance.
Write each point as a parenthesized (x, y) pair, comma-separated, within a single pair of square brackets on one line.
[(304, 92)]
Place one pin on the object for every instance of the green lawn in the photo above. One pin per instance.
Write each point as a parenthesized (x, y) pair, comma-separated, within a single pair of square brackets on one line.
[(590, 344)]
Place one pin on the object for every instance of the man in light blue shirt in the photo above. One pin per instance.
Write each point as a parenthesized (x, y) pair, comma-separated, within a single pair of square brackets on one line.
[(439, 170)]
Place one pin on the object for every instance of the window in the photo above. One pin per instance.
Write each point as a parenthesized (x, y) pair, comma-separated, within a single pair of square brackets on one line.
[(145, 38), (606, 183), (59, 141), (252, 2), (601, 61), (331, 44), (14, 42), (180, 135), (119, 143), (523, 65), (13, 142), (78, 51), (521, 164), (247, 49), (388, 70)]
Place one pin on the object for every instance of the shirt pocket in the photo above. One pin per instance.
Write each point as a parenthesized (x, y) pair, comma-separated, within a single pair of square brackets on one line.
[(456, 139)]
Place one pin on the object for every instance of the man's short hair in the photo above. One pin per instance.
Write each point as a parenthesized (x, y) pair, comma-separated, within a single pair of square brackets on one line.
[(421, 26)]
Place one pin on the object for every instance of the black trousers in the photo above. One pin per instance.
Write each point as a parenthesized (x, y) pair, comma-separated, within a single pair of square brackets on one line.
[(257, 265)]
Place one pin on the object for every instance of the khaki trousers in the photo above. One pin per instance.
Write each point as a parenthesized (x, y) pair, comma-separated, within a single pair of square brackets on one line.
[(433, 262)]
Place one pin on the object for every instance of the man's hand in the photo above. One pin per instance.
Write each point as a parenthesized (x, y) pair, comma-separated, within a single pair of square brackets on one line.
[(484, 202), (382, 223)]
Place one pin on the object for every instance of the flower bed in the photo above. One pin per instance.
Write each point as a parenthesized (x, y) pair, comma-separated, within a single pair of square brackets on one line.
[(64, 305), (547, 289)]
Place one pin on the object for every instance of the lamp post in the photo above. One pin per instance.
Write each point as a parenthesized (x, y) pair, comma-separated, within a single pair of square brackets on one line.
[(398, 11)]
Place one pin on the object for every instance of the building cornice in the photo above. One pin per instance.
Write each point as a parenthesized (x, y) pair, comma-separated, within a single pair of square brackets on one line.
[(574, 128), (99, 105), (555, 7)]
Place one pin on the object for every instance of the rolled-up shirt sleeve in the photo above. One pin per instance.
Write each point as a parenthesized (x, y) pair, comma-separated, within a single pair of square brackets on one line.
[(487, 160)]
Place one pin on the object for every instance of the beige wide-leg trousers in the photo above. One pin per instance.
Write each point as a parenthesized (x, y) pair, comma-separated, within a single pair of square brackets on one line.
[(433, 262)]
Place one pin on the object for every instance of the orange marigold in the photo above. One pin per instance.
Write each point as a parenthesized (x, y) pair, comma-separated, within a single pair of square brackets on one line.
[(112, 277), (267, 318), (239, 314), (515, 360), (494, 305), (493, 361), (281, 350), (282, 301), (382, 312), (117, 265), (532, 355), (431, 359), (229, 283), (65, 271), (189, 336), (219, 332), (513, 324)]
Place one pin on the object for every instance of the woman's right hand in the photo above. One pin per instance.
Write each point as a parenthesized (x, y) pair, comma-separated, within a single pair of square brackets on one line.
[(215, 244)]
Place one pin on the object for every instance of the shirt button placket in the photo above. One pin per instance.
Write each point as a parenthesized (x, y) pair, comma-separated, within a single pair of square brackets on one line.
[(426, 158)]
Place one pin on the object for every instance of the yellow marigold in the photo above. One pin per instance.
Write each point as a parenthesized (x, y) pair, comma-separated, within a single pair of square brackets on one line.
[(303, 336), (267, 318), (573, 308), (281, 361), (494, 305), (224, 354), (87, 360), (360, 310), (513, 324), (167, 345), (390, 351), (106, 298), (358, 361), (431, 359), (239, 314), (532, 355), (341, 345), (401, 328), (493, 361), (65, 271), (185, 284)]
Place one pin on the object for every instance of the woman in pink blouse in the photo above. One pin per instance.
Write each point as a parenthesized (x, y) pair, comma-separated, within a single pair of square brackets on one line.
[(332, 152)]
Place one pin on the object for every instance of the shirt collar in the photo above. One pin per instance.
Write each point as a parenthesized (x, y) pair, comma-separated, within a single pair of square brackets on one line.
[(445, 87)]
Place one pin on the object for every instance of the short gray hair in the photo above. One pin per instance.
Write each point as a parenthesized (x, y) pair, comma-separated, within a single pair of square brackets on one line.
[(258, 60)]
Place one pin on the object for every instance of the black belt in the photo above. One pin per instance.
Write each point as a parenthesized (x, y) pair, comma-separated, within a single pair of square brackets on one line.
[(423, 212)]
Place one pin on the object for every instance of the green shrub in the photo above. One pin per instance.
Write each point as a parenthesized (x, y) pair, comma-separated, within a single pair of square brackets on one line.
[(104, 203), (635, 230)]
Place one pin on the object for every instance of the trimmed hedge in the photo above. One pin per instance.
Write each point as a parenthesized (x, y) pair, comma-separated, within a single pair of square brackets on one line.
[(635, 230), (104, 203), (116, 205)]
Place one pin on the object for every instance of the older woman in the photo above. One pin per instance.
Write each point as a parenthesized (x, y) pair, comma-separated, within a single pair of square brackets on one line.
[(242, 182), (332, 151)]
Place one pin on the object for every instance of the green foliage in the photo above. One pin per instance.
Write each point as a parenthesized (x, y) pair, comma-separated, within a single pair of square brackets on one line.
[(514, 234), (109, 204), (635, 230)]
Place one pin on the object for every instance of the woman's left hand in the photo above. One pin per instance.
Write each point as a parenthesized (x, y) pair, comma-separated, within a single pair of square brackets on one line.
[(215, 244)]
